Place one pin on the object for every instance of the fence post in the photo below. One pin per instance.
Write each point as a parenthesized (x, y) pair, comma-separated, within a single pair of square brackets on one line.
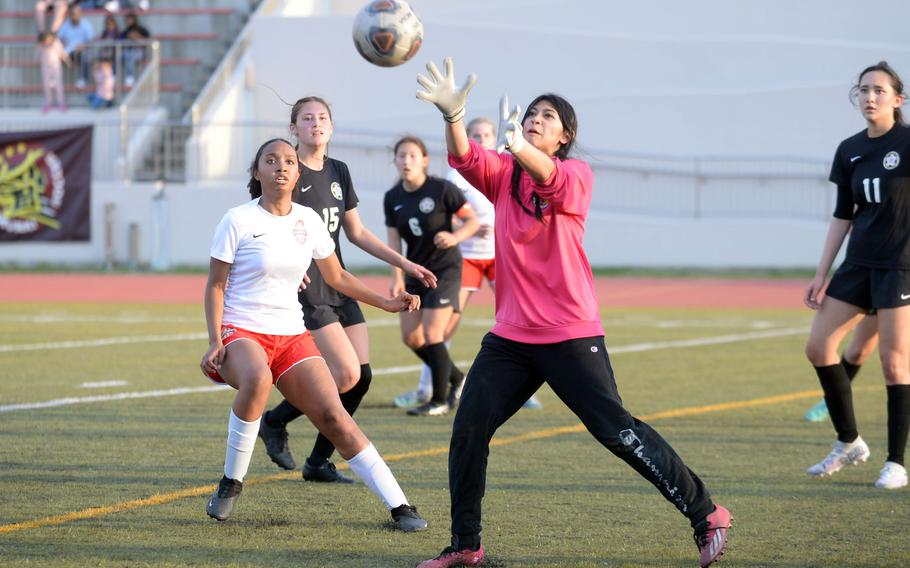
[(123, 159), (109, 218), (133, 261)]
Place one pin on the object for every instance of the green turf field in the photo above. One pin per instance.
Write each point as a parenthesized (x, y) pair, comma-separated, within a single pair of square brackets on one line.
[(73, 475)]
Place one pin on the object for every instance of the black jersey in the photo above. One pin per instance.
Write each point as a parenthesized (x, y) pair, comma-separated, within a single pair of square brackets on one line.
[(330, 193), (873, 189), (419, 215)]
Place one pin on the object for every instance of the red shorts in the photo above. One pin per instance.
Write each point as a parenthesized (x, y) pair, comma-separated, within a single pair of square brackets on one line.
[(282, 351), (474, 270)]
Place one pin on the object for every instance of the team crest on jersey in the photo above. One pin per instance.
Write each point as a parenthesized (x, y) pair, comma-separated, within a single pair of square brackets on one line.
[(892, 159), (336, 190), (543, 203), (426, 205), (300, 231)]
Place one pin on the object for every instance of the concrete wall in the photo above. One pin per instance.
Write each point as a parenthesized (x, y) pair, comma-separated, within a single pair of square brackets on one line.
[(651, 81), (189, 216)]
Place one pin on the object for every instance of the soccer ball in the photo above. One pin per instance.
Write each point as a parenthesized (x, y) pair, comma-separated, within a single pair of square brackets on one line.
[(387, 32)]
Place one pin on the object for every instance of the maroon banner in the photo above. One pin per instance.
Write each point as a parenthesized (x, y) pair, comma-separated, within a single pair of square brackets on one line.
[(45, 185)]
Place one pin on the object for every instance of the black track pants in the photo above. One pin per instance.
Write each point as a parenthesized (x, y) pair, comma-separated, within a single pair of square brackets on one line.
[(503, 376)]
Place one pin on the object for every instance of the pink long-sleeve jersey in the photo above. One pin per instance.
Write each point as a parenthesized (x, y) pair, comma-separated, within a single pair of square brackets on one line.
[(544, 286)]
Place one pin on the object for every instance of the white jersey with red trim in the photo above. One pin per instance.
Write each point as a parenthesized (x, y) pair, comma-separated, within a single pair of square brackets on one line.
[(478, 248), (269, 256)]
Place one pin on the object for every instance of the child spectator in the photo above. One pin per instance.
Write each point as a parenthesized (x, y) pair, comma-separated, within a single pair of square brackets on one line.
[(103, 72), (52, 56)]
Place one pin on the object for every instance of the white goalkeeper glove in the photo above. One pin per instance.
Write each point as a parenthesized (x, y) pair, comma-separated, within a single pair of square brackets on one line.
[(442, 92), (510, 134)]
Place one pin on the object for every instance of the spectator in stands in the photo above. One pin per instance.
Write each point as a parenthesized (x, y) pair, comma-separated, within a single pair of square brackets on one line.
[(109, 36), (132, 32), (76, 33), (103, 73), (52, 56), (57, 8)]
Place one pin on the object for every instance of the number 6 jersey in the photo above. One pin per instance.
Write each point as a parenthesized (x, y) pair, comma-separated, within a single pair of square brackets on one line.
[(330, 193), (419, 215), (873, 189)]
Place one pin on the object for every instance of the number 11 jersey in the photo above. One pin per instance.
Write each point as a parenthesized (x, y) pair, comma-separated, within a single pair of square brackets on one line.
[(873, 190)]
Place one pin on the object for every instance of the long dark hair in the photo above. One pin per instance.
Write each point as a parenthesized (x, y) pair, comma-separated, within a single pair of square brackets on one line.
[(896, 84), (254, 185), (566, 114)]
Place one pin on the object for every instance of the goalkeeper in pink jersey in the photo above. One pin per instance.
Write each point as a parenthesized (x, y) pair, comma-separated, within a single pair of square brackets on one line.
[(547, 325)]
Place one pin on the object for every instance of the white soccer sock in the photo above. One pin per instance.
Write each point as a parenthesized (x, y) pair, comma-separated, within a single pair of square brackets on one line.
[(240, 443), (426, 380), (372, 469), (426, 377)]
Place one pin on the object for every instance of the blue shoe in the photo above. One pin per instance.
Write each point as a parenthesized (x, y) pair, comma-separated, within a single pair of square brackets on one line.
[(818, 413), (533, 403)]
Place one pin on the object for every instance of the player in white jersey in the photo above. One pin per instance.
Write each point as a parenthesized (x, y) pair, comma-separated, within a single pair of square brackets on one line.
[(478, 255), (335, 320), (260, 254)]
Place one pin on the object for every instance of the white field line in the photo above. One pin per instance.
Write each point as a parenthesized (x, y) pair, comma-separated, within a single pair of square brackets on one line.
[(102, 342), (103, 384), (388, 322), (633, 348)]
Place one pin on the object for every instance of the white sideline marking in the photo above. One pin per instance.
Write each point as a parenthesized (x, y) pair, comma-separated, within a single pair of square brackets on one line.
[(102, 342), (103, 384), (125, 318), (633, 348), (700, 341), (108, 397)]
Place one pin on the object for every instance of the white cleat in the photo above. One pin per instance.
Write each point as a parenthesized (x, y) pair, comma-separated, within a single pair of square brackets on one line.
[(892, 476), (856, 452), (411, 399)]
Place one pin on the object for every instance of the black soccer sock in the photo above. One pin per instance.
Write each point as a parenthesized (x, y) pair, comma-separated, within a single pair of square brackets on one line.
[(350, 400), (279, 416), (839, 399), (422, 353), (898, 421), (441, 367), (851, 369)]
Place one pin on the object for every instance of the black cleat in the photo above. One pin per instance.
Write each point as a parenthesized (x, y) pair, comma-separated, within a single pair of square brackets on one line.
[(408, 519), (221, 503), (276, 445), (325, 473)]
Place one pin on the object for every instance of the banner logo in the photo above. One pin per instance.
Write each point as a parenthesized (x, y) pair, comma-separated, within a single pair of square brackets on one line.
[(32, 187)]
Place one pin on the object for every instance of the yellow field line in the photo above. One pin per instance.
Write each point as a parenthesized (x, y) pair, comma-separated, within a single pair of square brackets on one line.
[(94, 512)]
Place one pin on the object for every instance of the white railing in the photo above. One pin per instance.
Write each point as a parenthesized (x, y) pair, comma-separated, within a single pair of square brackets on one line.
[(674, 187), (21, 83)]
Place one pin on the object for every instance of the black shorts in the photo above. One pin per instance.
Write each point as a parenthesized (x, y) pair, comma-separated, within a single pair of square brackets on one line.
[(870, 288), (445, 294), (347, 314)]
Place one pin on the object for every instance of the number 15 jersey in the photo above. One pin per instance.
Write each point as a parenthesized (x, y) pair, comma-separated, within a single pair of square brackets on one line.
[(330, 193), (873, 190)]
